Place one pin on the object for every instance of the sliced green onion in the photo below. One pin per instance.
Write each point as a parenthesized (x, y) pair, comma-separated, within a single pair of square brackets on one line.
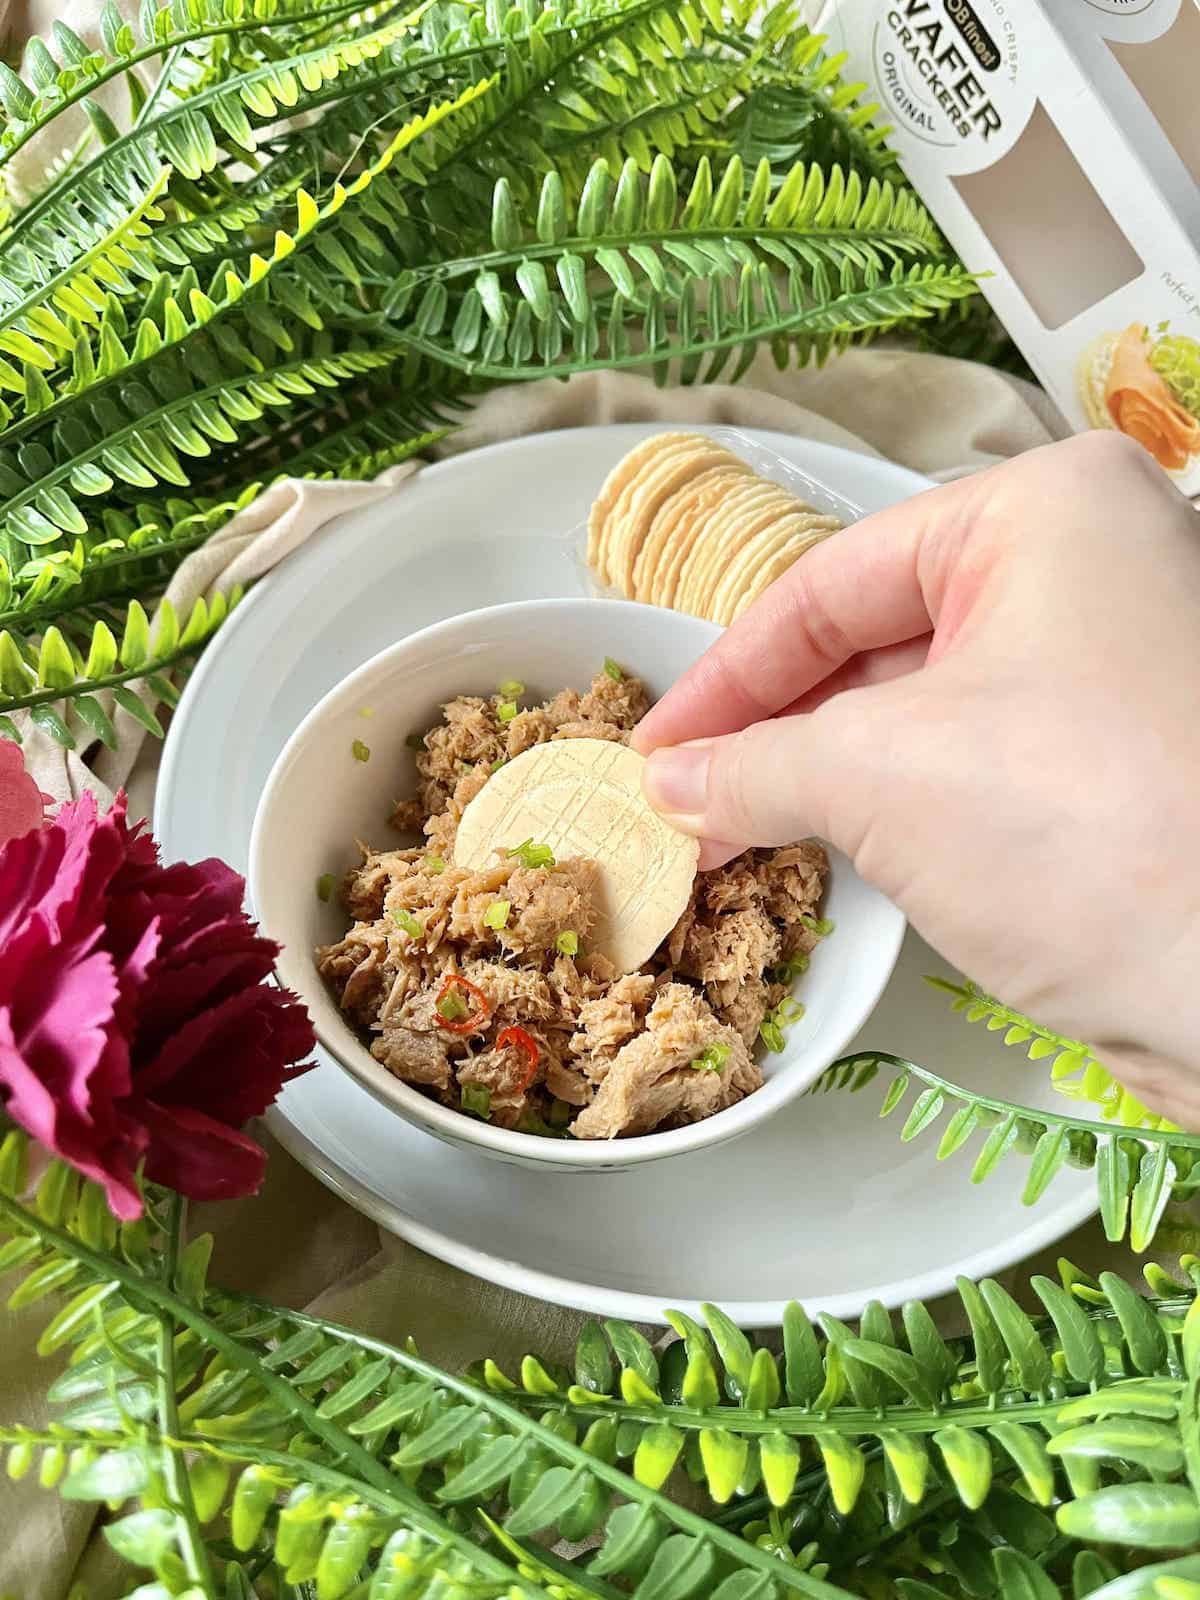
[(415, 741), (789, 970), (325, 886), (771, 1034), (560, 1113), (496, 915), (477, 1100), (613, 670), (531, 1122), (434, 864), (712, 1059), (496, 765), (452, 1007), (366, 711), (821, 926), (512, 689), (567, 943), (506, 710), (412, 926), (533, 855), (360, 751), (771, 1028)]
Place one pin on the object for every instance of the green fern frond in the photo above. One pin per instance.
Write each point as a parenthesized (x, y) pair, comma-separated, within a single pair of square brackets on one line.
[(337, 1459), (229, 226), (1137, 1168), (140, 548), (451, 48), (832, 1385), (118, 361), (57, 673), (343, 1433), (344, 453), (367, 442), (823, 260), (189, 136), (43, 301), (1036, 1403), (804, 110), (1074, 1070), (605, 89), (141, 444), (657, 112), (51, 84), (73, 291)]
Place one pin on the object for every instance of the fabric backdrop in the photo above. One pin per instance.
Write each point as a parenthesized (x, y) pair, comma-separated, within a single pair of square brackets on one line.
[(296, 1242)]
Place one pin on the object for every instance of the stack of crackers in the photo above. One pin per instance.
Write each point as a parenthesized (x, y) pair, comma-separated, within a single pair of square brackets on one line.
[(685, 523)]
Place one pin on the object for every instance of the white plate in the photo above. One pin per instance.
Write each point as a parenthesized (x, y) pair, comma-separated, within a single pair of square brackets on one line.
[(825, 1204)]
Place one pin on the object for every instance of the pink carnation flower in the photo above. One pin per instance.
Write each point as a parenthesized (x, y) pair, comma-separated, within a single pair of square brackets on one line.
[(22, 803), (136, 1022)]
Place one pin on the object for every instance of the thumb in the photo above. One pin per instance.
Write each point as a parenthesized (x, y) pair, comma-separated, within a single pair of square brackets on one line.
[(819, 773)]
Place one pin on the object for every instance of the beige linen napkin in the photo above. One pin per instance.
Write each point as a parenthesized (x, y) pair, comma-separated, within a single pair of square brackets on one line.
[(940, 416)]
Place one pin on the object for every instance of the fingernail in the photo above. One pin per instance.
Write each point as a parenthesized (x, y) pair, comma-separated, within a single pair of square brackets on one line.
[(676, 783)]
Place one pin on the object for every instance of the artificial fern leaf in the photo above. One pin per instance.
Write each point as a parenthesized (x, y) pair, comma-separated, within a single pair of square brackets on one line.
[(188, 134), (827, 257), (804, 110), (39, 291), (1137, 1167), (106, 669), (132, 444), (1074, 1069)]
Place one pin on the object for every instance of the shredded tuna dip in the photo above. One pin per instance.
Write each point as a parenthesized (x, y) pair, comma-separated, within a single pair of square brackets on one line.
[(478, 988)]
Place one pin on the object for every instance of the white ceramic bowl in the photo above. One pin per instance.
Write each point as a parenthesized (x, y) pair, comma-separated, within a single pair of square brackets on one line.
[(318, 800)]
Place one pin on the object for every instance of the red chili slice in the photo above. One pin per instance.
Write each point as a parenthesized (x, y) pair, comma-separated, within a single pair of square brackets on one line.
[(477, 1020), (528, 1044)]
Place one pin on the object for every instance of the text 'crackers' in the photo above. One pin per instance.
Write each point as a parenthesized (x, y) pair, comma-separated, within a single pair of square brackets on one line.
[(683, 522)]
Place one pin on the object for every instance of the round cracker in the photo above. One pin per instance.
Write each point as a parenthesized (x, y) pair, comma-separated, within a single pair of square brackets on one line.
[(777, 565), (611, 488), (583, 797), (615, 489), (700, 571), (764, 543), (1091, 374), (672, 537), (719, 554), (690, 550), (681, 455), (653, 487), (741, 572)]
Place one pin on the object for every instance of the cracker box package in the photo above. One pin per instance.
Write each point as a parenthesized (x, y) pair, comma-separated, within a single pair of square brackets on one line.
[(1057, 142)]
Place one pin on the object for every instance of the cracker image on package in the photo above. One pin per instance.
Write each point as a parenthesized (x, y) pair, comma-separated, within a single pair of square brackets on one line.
[(1147, 387), (583, 797)]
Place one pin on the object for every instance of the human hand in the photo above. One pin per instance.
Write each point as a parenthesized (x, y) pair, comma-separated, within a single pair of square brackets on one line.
[(989, 698)]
